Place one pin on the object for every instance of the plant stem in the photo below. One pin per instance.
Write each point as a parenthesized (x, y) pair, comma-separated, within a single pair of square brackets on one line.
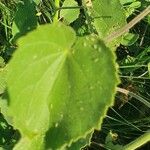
[(126, 28), (75, 7), (138, 142), (56, 15), (126, 92)]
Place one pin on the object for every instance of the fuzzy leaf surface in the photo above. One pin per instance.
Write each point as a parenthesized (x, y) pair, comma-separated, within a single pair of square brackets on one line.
[(59, 85)]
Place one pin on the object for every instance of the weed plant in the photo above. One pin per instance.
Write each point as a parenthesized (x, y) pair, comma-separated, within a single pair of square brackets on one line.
[(129, 118)]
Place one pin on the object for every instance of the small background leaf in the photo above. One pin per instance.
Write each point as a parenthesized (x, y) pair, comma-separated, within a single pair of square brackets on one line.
[(110, 143), (126, 1), (129, 39), (80, 143), (2, 63), (109, 16), (149, 68), (37, 1), (70, 14), (132, 7), (25, 18), (26, 143), (2, 80)]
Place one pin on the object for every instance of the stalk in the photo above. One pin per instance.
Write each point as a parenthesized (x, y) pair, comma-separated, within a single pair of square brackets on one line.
[(126, 28), (138, 142), (56, 15), (126, 92)]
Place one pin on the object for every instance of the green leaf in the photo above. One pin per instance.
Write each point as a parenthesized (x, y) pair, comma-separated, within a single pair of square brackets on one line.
[(3, 106), (35, 143), (2, 80), (60, 85), (2, 63), (130, 9), (3, 100), (70, 14), (25, 18), (126, 1), (110, 140), (81, 143), (149, 68), (108, 16), (148, 19), (4, 110), (129, 39), (37, 1), (135, 5)]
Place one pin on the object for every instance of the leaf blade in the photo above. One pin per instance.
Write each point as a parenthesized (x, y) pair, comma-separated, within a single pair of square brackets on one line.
[(57, 83)]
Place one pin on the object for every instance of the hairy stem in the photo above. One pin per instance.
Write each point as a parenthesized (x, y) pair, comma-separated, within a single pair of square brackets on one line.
[(126, 28)]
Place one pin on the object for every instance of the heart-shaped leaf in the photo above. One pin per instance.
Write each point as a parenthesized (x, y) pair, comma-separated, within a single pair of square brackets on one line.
[(59, 85)]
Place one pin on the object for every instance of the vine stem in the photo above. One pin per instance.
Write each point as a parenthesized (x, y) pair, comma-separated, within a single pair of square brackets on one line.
[(56, 15), (138, 142), (128, 26)]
